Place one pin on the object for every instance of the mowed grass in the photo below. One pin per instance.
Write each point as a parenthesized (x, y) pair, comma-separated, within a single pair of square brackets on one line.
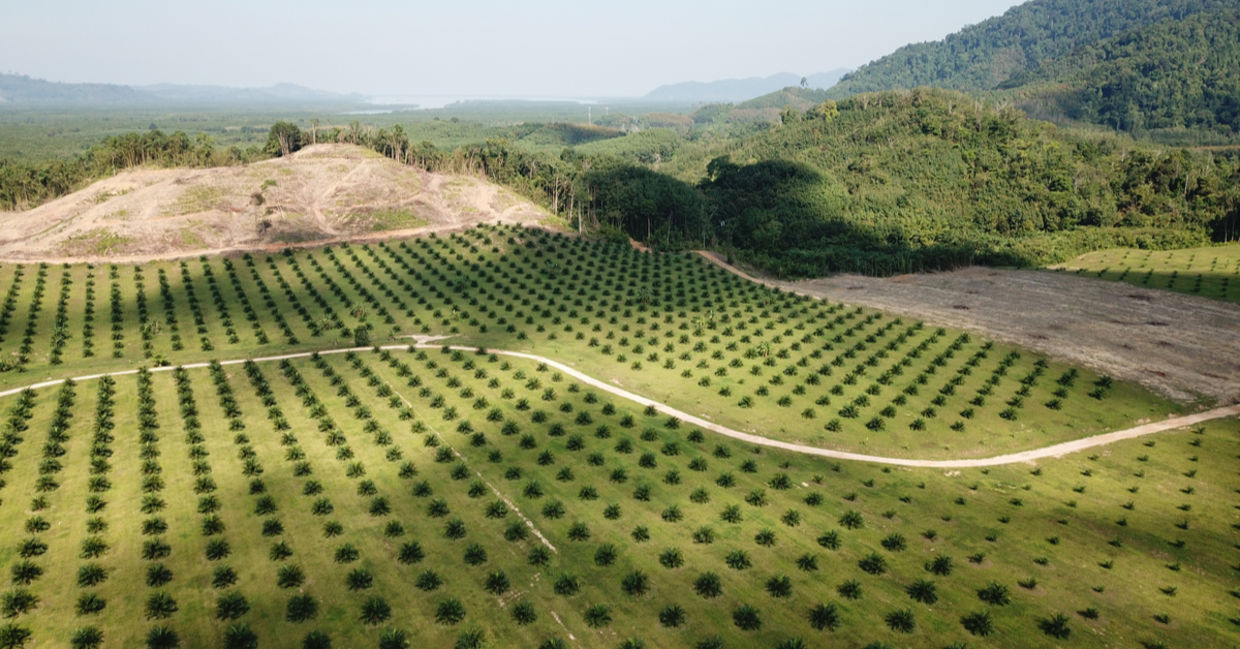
[(400, 491), (1212, 272), (669, 326)]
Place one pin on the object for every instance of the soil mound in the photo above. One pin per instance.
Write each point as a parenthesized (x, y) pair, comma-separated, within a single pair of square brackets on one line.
[(321, 194)]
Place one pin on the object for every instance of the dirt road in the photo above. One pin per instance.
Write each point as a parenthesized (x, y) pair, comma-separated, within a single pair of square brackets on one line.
[(1179, 345), (429, 342)]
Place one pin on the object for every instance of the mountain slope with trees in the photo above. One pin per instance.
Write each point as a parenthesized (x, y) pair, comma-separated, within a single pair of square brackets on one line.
[(983, 56), (879, 183), (1175, 74)]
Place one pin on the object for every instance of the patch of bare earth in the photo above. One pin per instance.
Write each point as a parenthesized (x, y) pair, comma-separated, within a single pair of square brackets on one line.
[(321, 194), (1180, 345)]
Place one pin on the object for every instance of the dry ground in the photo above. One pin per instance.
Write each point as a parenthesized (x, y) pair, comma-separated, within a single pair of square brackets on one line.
[(1180, 345), (323, 193)]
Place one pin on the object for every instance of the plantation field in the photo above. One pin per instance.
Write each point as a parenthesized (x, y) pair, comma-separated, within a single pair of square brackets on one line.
[(436, 498), (670, 327), (1212, 272)]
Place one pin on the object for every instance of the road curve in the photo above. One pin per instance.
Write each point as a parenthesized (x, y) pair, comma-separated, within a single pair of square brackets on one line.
[(427, 342)]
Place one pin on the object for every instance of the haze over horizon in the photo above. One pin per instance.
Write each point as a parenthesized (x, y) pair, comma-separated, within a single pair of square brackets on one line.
[(382, 47)]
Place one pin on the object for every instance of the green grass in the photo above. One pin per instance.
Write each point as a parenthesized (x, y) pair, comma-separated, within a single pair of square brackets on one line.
[(457, 420), (339, 464), (1212, 272), (394, 219), (671, 327)]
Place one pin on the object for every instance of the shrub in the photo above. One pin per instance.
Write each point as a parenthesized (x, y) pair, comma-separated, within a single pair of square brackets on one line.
[(231, 605), (779, 586), (87, 637), (746, 618), (923, 591), (300, 608), (160, 605), (161, 637), (598, 616), (394, 639), (449, 611), (316, 640), (375, 610), (523, 613), (824, 617), (240, 636), (873, 564), (566, 585), (978, 623), (901, 621), (672, 616), (497, 583), (850, 589), (995, 594), (708, 585), (1055, 626), (940, 565)]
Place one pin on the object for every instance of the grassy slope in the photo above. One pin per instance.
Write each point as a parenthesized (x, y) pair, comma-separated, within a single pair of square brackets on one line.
[(698, 338), (1056, 524), (1212, 272)]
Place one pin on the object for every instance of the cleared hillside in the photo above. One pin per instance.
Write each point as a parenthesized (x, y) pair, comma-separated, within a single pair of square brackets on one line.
[(328, 192)]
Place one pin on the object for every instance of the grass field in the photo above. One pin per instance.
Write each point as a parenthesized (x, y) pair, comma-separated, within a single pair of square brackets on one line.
[(444, 498), (1212, 272), (671, 327), (397, 498)]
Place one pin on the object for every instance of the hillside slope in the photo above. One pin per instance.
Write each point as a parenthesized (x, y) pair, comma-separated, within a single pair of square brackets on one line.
[(904, 181), (1175, 74), (982, 56), (322, 193)]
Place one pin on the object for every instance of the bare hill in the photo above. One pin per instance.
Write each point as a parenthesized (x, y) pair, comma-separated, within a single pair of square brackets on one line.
[(323, 193)]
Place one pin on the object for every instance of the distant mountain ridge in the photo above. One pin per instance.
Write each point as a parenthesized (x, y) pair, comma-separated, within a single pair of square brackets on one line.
[(736, 90), (19, 91)]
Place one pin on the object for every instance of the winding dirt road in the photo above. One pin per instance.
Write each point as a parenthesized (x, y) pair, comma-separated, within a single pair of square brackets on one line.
[(428, 342)]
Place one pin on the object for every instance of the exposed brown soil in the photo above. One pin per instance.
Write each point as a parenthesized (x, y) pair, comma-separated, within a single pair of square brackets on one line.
[(1182, 346), (321, 194)]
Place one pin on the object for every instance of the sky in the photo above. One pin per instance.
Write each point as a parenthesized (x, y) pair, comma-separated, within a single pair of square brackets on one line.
[(554, 48)]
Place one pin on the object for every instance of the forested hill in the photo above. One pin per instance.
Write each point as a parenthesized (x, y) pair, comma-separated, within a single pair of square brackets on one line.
[(983, 56), (901, 181), (1175, 74)]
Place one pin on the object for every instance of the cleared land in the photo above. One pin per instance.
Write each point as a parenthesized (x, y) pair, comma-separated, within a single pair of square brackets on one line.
[(1179, 345), (324, 193), (1212, 272)]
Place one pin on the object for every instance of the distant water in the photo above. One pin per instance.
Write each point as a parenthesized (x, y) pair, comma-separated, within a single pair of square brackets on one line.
[(389, 102)]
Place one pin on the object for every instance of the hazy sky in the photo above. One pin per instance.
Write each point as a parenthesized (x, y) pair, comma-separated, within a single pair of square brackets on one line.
[(386, 47)]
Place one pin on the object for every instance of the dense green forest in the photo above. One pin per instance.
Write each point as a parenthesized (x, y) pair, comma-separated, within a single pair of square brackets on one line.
[(1132, 65), (982, 56), (1175, 74)]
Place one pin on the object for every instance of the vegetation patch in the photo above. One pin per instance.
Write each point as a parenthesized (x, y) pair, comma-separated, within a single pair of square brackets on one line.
[(1212, 272), (98, 242), (199, 198)]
